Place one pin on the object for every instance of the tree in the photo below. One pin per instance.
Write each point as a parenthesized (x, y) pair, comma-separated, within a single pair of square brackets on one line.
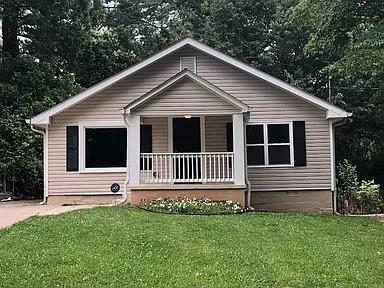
[(349, 37), (34, 87), (52, 48)]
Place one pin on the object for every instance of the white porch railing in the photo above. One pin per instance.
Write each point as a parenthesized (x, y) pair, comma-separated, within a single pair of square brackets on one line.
[(201, 167)]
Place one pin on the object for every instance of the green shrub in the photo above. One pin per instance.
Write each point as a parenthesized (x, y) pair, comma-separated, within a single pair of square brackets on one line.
[(356, 198), (347, 181), (368, 198), (347, 187), (190, 206)]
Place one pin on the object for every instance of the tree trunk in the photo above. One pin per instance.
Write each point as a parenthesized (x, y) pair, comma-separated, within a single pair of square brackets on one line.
[(10, 28), (4, 178), (13, 182)]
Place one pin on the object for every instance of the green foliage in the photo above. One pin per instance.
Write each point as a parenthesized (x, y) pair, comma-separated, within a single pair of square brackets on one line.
[(190, 206), (347, 187), (349, 33), (65, 45), (32, 87), (347, 37), (368, 198), (355, 197), (240, 28), (347, 182)]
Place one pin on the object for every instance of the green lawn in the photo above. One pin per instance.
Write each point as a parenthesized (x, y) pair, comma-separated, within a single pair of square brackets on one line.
[(116, 247)]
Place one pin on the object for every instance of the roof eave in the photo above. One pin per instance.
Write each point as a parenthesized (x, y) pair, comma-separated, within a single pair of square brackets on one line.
[(331, 114), (42, 117), (333, 111), (39, 120)]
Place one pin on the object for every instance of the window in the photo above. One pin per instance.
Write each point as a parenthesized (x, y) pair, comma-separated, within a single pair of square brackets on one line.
[(105, 147), (230, 141), (72, 156), (269, 144), (146, 146), (188, 63), (229, 137)]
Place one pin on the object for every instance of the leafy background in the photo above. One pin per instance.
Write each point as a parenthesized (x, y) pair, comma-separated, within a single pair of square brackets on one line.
[(51, 49)]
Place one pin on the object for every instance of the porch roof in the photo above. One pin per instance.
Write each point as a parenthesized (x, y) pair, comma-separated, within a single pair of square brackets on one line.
[(177, 78)]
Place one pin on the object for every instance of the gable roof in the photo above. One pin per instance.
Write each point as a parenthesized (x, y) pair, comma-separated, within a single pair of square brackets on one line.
[(332, 110), (186, 74)]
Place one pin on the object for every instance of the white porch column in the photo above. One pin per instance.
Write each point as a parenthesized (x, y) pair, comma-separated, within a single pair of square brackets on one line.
[(238, 148), (134, 150)]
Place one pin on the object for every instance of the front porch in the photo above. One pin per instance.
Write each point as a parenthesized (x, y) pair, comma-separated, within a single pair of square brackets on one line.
[(186, 138), (160, 165)]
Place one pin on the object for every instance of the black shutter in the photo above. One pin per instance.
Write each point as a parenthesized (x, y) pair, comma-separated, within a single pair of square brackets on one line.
[(299, 146), (72, 148), (146, 144), (229, 137)]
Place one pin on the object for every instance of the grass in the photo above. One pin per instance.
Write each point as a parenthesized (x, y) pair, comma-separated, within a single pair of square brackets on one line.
[(116, 247)]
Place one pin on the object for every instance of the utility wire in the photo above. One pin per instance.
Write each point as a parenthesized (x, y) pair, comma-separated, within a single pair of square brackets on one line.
[(349, 88)]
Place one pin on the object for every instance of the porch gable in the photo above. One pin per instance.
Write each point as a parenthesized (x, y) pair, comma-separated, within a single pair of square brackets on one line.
[(186, 93)]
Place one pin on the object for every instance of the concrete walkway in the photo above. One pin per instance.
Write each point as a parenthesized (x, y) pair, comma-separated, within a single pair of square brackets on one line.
[(16, 211), (378, 217)]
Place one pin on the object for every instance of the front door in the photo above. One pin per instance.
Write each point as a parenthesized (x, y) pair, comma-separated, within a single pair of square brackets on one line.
[(187, 139)]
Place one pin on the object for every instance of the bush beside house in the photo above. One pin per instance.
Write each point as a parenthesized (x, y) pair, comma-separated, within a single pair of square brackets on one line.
[(356, 197)]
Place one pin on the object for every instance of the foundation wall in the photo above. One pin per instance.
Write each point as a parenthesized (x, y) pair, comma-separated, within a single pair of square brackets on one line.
[(317, 201), (235, 195), (82, 199)]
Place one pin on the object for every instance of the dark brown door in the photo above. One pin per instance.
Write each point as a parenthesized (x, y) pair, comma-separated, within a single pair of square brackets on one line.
[(186, 135), (187, 139)]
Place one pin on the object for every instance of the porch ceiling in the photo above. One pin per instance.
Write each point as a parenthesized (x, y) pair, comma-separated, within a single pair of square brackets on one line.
[(186, 92)]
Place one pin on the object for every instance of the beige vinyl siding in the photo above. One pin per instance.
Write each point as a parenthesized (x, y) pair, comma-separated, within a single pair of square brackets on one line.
[(267, 103), (159, 133), (185, 97), (317, 172), (159, 144), (62, 182), (216, 141), (216, 133), (105, 107)]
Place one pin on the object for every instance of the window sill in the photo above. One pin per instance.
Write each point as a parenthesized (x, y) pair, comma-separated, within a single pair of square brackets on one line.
[(271, 166), (104, 170)]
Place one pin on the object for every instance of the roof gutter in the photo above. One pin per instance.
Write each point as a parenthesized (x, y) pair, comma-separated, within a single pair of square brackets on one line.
[(126, 182), (248, 183), (333, 123), (44, 132)]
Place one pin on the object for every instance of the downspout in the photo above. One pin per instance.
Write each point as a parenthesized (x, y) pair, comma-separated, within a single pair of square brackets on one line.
[(126, 182), (248, 183), (332, 127), (45, 160)]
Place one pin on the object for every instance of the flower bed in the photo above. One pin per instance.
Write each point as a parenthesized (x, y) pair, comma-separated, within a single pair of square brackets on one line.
[(193, 206)]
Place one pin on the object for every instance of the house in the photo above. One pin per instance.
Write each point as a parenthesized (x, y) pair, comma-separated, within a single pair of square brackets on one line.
[(192, 121)]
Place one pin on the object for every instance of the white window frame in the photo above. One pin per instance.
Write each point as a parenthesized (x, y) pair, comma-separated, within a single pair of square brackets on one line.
[(95, 125), (266, 144), (189, 57)]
